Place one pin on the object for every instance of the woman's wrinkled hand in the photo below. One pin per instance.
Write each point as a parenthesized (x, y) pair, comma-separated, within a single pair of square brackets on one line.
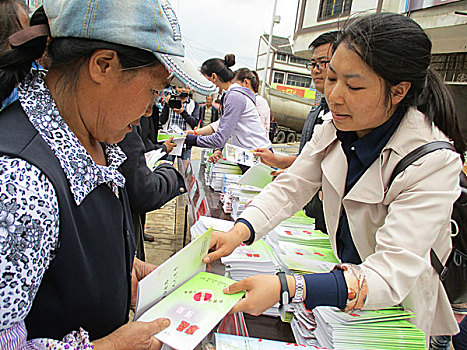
[(170, 145), (134, 336), (140, 270)]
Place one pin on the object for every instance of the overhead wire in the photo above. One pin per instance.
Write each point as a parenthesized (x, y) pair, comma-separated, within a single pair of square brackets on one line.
[(202, 52)]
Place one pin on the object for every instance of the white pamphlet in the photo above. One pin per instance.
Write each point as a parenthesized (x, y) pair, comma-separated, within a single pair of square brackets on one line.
[(172, 273)]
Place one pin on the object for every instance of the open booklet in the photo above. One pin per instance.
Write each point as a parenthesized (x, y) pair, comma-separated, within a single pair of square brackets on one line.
[(180, 290), (240, 155), (152, 158), (179, 140)]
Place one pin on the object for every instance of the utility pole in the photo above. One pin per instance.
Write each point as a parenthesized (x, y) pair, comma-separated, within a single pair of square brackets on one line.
[(275, 19)]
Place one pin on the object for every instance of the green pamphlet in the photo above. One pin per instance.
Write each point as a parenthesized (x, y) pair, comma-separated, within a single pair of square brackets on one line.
[(193, 310)]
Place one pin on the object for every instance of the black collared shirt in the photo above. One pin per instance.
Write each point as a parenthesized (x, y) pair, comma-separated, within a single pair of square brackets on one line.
[(360, 154), (313, 119)]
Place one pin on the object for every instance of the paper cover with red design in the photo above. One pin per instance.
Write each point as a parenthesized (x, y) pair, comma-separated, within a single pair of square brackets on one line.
[(193, 309)]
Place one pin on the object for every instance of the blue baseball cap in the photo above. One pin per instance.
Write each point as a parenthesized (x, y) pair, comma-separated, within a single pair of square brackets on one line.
[(150, 25)]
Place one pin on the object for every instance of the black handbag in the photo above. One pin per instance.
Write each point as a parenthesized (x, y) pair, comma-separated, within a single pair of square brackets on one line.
[(454, 273)]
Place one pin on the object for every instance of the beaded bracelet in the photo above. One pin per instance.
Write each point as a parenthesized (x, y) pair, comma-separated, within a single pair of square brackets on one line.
[(357, 286)]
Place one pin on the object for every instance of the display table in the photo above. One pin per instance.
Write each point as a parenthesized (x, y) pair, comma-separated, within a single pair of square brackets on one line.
[(202, 200)]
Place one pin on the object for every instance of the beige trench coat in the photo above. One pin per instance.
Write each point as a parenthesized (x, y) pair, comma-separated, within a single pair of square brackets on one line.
[(393, 229)]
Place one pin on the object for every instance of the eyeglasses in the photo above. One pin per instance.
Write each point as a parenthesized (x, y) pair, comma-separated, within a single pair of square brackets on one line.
[(321, 65)]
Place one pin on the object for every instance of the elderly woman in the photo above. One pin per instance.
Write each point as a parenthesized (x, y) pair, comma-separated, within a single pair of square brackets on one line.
[(385, 101), (66, 243)]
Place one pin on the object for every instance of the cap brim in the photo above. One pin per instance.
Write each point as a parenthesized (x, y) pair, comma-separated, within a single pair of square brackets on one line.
[(186, 74)]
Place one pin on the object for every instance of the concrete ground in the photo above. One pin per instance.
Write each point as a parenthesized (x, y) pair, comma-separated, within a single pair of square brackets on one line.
[(162, 225)]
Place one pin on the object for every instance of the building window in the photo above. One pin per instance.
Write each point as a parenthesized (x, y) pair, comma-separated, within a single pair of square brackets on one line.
[(34, 4), (279, 77), (281, 57), (298, 60), (298, 80), (333, 8), (451, 66)]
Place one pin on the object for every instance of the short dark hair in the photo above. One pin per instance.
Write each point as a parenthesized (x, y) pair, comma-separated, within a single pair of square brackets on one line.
[(325, 38)]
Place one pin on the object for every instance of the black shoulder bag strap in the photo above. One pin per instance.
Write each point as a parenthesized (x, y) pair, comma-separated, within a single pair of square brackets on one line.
[(402, 165)]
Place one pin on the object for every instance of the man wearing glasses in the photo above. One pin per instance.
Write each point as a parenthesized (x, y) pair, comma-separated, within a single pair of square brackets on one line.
[(321, 55)]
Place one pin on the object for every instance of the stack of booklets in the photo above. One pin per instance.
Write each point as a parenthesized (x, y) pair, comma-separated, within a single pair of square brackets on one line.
[(303, 326), (299, 220), (217, 172), (367, 329), (208, 172), (181, 291), (205, 223), (256, 259), (226, 200), (304, 236), (246, 261), (238, 206), (306, 259), (233, 342), (300, 248), (240, 196), (205, 154), (228, 180)]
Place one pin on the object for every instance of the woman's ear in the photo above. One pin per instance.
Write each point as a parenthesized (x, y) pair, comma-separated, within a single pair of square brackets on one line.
[(102, 63), (399, 91)]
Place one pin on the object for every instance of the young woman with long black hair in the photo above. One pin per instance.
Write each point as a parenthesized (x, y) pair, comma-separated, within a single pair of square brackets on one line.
[(385, 101)]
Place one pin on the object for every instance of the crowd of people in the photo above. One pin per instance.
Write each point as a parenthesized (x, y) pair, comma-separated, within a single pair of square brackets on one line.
[(80, 108)]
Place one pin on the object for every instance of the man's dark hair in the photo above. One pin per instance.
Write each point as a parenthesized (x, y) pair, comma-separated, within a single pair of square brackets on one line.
[(325, 38)]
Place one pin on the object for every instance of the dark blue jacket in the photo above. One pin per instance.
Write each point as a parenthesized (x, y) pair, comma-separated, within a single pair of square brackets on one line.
[(88, 283)]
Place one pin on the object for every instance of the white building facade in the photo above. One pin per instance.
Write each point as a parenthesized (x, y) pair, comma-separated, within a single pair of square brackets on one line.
[(289, 87), (285, 71)]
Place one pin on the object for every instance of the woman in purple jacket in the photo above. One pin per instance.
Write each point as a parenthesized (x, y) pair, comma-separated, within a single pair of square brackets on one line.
[(240, 123)]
